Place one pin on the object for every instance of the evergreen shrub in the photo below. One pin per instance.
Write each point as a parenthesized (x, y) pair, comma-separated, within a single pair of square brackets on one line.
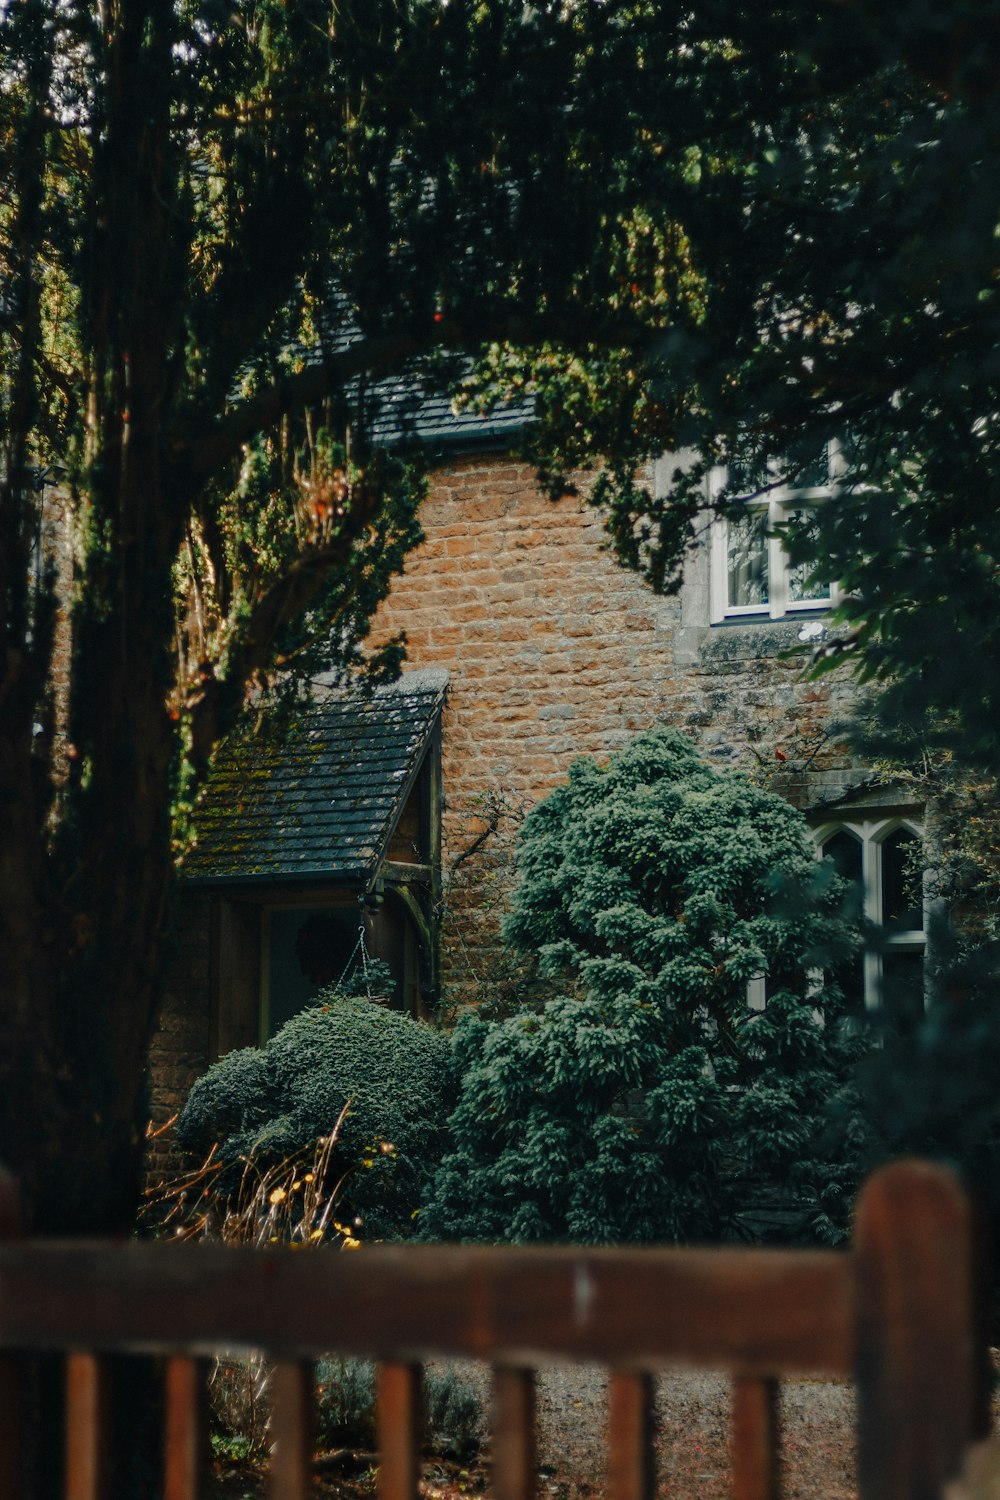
[(651, 1101), (394, 1073), (454, 1420)]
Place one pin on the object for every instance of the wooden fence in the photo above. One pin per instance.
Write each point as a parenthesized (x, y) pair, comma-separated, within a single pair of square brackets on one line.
[(899, 1313)]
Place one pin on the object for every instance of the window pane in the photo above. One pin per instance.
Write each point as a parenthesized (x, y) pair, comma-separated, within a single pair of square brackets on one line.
[(746, 474), (810, 471), (800, 588), (902, 894), (903, 990), (845, 851), (850, 976), (747, 550)]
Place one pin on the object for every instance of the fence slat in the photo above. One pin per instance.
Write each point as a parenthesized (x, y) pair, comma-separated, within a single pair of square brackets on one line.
[(10, 1427), (755, 1439), (11, 1224), (185, 1459), (752, 1311), (292, 1429), (11, 1367), (921, 1344), (630, 1436), (398, 1429), (88, 1428), (902, 1310), (514, 1460)]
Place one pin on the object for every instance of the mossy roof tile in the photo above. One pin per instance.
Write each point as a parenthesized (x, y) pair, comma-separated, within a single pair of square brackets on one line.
[(323, 800)]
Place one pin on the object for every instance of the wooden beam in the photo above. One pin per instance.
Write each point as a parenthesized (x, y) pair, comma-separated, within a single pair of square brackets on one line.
[(291, 1389), (11, 1377), (755, 1439), (398, 1414), (921, 1344), (12, 1371), (758, 1312), (185, 1439), (631, 1474), (88, 1428), (514, 1444)]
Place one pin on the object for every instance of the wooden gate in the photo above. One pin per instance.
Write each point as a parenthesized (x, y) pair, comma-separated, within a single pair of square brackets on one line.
[(899, 1313)]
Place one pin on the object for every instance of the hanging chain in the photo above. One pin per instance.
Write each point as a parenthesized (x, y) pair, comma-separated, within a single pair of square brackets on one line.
[(360, 948)]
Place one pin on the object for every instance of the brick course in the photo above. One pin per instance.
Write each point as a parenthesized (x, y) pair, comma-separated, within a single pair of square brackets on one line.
[(181, 1049), (554, 651)]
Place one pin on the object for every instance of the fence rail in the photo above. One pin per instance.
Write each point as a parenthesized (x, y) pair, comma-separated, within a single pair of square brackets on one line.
[(899, 1312)]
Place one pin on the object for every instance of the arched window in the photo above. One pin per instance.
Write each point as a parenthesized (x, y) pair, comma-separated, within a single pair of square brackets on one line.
[(884, 854)]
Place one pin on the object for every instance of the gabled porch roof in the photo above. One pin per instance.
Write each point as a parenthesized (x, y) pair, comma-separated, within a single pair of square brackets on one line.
[(322, 801)]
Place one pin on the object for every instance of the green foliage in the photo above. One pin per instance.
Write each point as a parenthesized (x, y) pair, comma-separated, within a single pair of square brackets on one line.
[(233, 1450), (239, 1409), (933, 1093), (738, 229), (345, 1403), (453, 1416), (345, 1408), (810, 250), (652, 1102), (395, 1076), (372, 977), (230, 244), (232, 1098)]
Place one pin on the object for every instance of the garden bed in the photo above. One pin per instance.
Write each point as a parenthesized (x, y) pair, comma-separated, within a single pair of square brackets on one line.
[(692, 1445)]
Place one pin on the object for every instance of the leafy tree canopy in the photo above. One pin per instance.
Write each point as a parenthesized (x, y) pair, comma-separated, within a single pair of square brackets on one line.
[(655, 1101), (835, 200), (727, 227), (221, 234)]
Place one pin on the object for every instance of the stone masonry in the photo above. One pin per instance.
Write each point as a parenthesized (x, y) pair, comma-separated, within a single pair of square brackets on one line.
[(555, 651), (182, 1046)]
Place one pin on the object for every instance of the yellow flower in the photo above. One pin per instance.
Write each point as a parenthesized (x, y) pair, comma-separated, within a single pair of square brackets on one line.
[(278, 1196)]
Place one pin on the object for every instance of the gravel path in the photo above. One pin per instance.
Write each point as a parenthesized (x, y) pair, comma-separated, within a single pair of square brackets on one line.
[(693, 1435)]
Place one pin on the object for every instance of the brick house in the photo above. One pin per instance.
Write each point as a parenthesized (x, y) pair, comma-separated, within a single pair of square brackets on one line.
[(554, 651), (546, 650)]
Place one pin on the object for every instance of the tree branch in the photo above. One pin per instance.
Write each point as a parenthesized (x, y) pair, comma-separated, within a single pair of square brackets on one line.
[(383, 353), (213, 705), (260, 411)]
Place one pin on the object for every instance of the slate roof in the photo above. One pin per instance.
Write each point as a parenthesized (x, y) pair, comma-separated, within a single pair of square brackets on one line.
[(322, 802), (414, 407), (407, 413)]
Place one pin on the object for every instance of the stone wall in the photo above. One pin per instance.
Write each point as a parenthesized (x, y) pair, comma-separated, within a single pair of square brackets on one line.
[(181, 1049), (554, 651)]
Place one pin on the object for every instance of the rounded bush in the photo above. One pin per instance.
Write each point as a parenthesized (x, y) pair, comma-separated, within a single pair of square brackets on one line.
[(658, 1098), (394, 1074), (232, 1098)]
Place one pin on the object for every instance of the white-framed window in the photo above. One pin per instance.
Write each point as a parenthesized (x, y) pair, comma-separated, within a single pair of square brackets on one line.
[(884, 854), (751, 575)]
